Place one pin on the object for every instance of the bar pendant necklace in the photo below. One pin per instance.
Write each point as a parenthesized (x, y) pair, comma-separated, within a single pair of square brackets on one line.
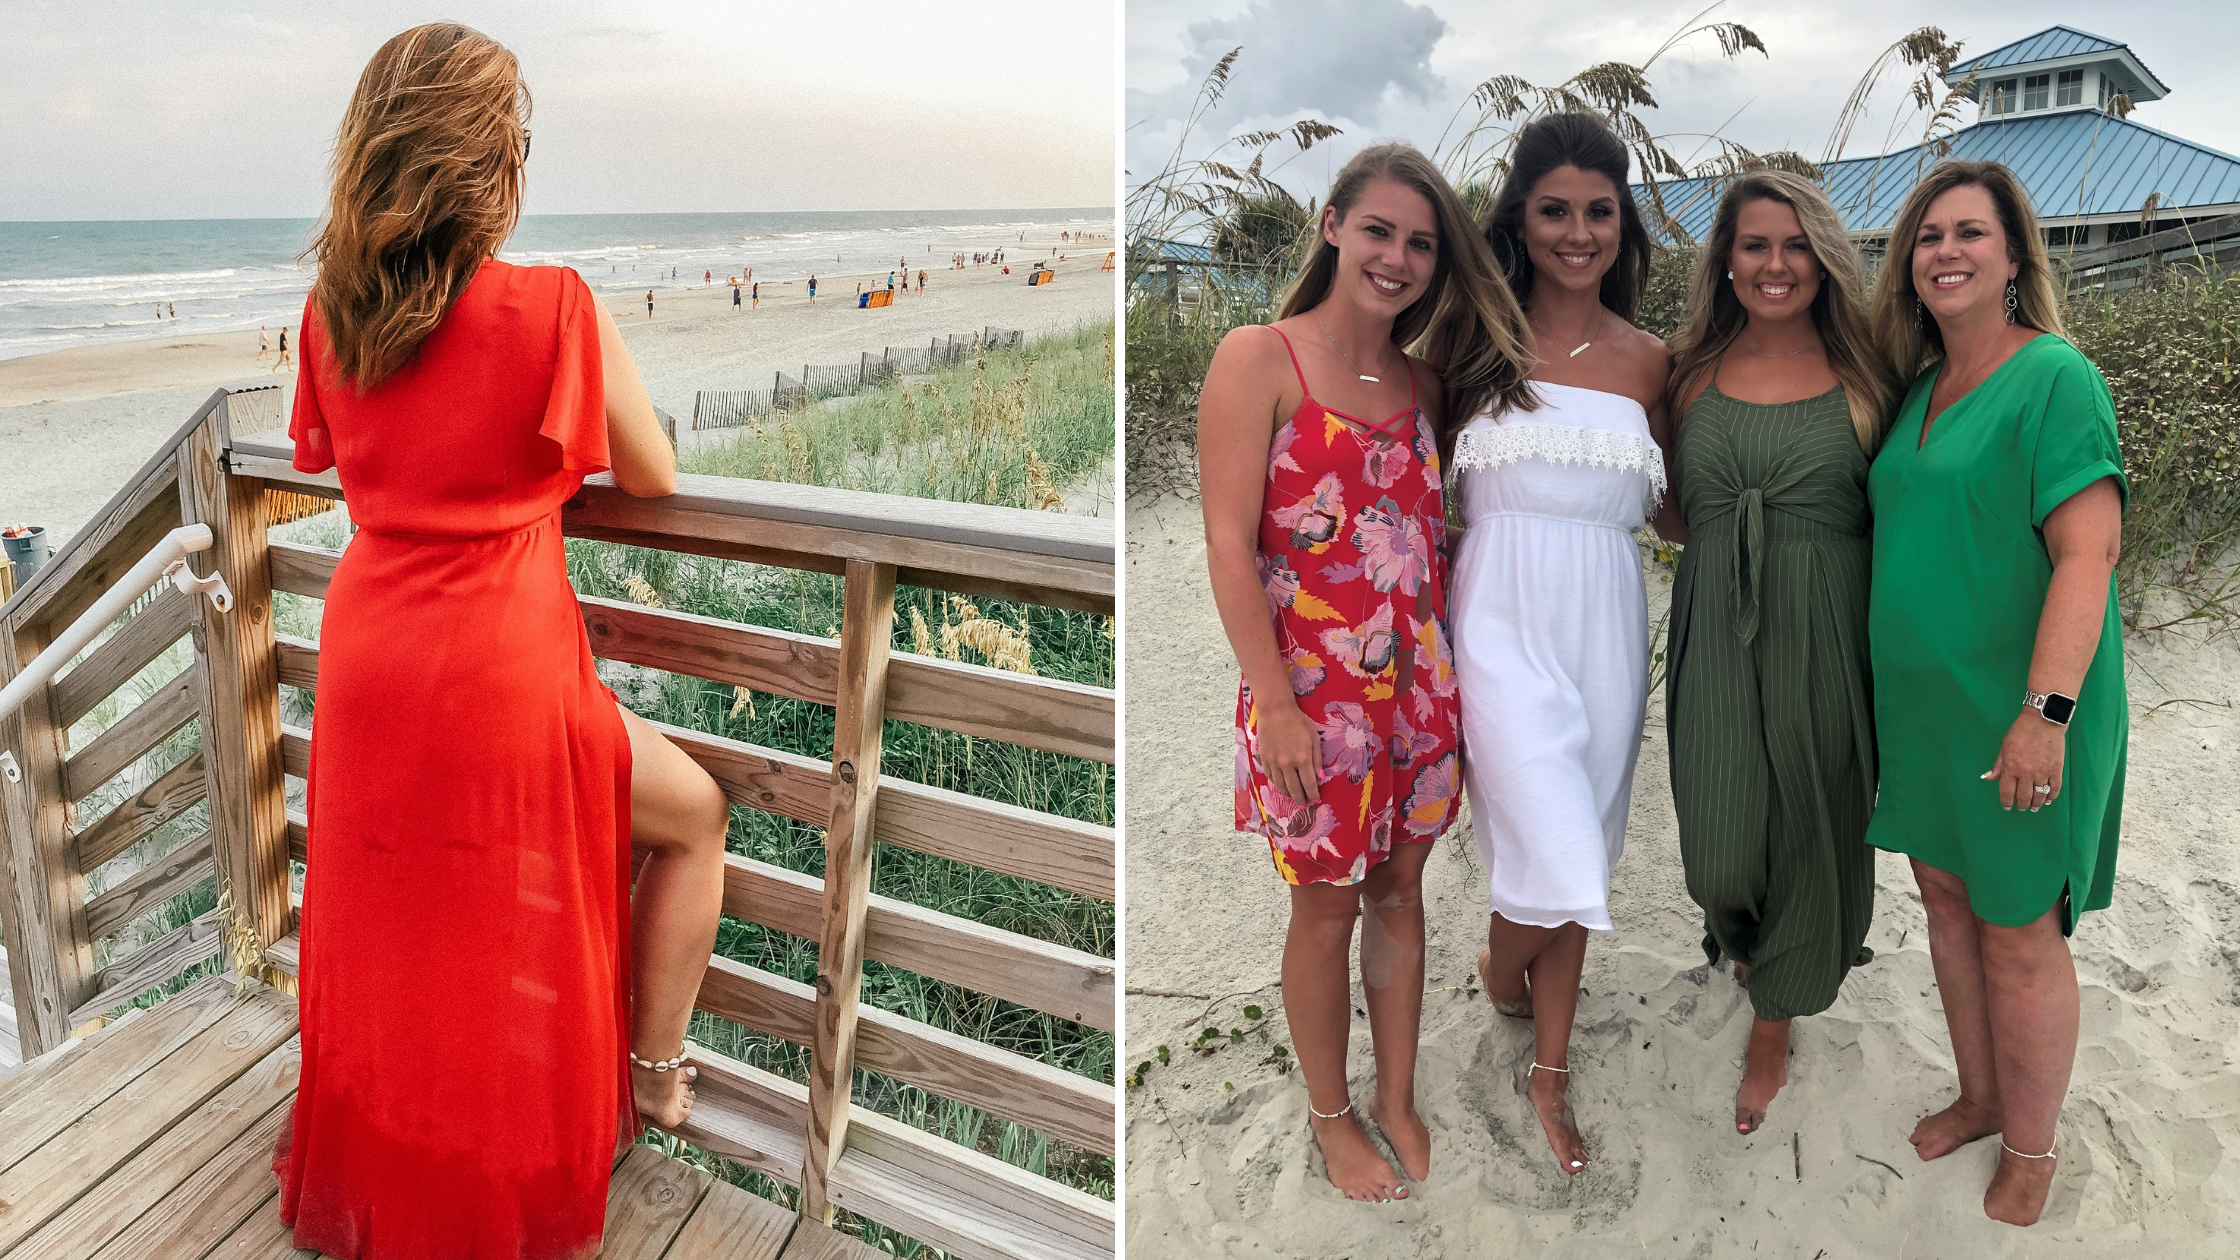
[(1341, 350)]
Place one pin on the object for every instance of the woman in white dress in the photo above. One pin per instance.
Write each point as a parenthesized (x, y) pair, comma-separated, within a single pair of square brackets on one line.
[(1549, 615)]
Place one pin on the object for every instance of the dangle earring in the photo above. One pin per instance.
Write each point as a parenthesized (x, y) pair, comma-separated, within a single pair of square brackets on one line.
[(2010, 301), (1921, 314)]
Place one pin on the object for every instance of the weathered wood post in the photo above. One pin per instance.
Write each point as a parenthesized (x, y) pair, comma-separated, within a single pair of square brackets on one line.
[(239, 661), (42, 891), (866, 632)]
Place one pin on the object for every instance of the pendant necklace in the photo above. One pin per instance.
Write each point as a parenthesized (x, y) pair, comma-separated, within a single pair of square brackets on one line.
[(1341, 349)]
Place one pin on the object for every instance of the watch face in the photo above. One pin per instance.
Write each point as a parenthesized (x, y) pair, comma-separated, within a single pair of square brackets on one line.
[(2060, 709)]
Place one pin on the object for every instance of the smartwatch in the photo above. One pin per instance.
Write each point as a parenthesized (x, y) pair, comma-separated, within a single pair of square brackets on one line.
[(2052, 706)]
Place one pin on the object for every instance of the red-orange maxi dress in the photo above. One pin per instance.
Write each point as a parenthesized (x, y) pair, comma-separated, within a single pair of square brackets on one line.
[(465, 915)]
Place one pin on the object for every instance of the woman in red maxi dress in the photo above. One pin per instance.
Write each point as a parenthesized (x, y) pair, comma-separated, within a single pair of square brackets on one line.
[(468, 981)]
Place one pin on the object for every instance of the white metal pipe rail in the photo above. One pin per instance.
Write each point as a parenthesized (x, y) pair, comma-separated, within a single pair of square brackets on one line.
[(167, 559)]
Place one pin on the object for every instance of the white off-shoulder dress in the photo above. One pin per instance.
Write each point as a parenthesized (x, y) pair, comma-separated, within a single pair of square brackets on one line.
[(1551, 643)]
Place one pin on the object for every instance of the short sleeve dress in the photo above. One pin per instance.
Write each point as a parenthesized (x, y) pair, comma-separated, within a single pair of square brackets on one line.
[(466, 916), (1960, 572)]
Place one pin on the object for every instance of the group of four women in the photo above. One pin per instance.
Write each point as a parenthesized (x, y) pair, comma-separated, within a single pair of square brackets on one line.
[(1892, 625)]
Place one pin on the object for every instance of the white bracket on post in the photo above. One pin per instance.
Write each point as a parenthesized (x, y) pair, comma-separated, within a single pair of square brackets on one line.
[(214, 586), (9, 768)]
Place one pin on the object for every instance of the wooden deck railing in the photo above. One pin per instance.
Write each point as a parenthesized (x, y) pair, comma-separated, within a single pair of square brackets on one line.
[(808, 1134)]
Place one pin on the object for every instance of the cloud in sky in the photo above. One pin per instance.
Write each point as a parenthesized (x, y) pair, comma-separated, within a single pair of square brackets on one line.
[(1787, 99), (151, 109)]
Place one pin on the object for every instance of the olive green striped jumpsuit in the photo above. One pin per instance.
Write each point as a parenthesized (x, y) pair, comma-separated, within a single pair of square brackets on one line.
[(1767, 693)]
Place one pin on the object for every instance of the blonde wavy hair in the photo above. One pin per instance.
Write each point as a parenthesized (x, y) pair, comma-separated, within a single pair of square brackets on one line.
[(1467, 325), (1908, 335), (1715, 316), (427, 184)]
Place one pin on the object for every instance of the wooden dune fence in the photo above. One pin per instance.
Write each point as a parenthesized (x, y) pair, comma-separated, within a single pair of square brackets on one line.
[(731, 408), (63, 947)]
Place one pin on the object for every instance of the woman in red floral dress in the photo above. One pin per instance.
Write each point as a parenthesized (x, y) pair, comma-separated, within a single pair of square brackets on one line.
[(1325, 536)]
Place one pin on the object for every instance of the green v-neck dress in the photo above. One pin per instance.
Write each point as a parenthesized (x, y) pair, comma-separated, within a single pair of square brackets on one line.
[(1960, 577), (1767, 696)]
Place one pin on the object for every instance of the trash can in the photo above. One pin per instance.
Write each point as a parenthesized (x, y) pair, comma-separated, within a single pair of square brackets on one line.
[(27, 549)]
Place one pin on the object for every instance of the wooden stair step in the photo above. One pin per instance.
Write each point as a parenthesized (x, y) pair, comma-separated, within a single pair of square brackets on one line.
[(52, 1092), (731, 1224), (648, 1200), (50, 1178), (262, 1237), (207, 1208), (813, 1241), (256, 1101)]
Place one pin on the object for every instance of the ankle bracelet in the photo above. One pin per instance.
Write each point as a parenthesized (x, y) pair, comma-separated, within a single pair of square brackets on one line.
[(663, 1065), (1328, 1115), (1545, 1068), (2026, 1155)]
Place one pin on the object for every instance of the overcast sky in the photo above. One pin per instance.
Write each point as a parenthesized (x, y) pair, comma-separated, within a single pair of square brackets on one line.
[(1388, 69), (130, 109)]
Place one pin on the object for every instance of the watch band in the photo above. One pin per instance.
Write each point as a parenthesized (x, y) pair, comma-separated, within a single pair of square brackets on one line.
[(2052, 705)]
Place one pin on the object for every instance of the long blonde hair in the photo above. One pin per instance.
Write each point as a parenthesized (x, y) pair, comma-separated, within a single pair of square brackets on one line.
[(1908, 335), (427, 184), (1471, 330), (1715, 316)]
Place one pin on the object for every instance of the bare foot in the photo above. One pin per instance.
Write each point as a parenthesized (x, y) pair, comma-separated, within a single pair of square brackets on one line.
[(1765, 1070), (663, 1098), (1549, 1094), (2017, 1193), (1410, 1137), (1947, 1131), (1515, 1003), (1355, 1168)]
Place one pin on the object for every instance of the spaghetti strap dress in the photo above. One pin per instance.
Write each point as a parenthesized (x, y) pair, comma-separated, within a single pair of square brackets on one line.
[(465, 910), (1352, 557), (1768, 696)]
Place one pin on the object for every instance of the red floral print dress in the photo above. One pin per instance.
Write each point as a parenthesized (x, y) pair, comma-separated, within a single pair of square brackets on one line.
[(1352, 535)]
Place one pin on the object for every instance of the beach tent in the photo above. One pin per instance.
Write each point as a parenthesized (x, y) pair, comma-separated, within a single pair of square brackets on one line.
[(877, 297), (1042, 277), (1109, 255)]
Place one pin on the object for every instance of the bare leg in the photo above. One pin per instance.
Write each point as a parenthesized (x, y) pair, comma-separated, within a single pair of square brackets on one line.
[(1765, 1069), (1510, 949), (2033, 1003), (1956, 952), (1554, 973), (1392, 979), (678, 817), (1317, 1002)]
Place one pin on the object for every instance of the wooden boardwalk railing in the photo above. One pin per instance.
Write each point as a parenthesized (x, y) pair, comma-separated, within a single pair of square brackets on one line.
[(807, 1134)]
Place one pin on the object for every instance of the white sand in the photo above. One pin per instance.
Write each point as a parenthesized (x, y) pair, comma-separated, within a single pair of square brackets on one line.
[(2150, 1139), (75, 424)]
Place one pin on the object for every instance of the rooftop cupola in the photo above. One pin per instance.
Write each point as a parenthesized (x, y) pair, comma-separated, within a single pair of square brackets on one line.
[(2056, 70)]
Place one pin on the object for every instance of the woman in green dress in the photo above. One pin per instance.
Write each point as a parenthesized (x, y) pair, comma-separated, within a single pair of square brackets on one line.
[(1781, 394), (1998, 506)]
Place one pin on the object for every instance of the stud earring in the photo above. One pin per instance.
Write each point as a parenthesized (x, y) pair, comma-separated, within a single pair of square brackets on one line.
[(1730, 275)]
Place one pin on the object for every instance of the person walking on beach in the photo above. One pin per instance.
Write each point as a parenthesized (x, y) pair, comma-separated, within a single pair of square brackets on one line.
[(1551, 628), (649, 304), (1995, 637), (283, 361), (757, 305), (264, 344), (1781, 393), (734, 299), (812, 290), (707, 277), (1325, 527), (528, 818), (921, 280)]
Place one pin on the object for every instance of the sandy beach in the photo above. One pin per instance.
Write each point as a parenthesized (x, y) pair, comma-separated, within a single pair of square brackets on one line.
[(74, 424), (1220, 1163)]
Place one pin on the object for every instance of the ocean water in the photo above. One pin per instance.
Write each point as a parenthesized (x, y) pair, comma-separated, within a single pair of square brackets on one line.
[(77, 284)]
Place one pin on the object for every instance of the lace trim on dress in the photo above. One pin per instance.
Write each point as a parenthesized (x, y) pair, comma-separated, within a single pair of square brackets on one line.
[(1491, 446)]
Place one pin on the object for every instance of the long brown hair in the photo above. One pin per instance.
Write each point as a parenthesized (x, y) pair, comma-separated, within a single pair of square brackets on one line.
[(1471, 331), (427, 184), (1908, 335), (1586, 142), (1715, 316)]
